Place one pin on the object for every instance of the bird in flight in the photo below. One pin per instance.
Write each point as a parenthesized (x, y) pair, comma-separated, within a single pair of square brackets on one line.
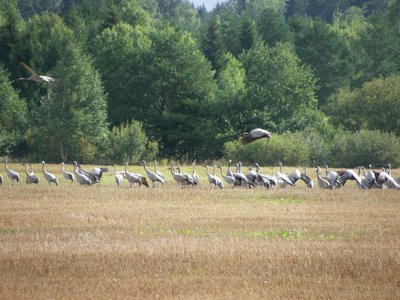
[(34, 75), (254, 135)]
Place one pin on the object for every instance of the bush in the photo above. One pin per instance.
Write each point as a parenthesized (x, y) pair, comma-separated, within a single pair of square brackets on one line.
[(366, 147), (289, 148), (129, 143), (337, 148)]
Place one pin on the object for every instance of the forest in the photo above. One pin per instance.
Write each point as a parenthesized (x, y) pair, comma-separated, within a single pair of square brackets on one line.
[(138, 79)]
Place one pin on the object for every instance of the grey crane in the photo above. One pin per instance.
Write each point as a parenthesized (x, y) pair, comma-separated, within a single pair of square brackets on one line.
[(254, 135), (296, 175), (119, 178), (368, 179), (322, 182), (284, 178), (30, 176), (154, 178), (67, 175), (267, 181), (229, 171), (48, 176), (82, 179), (180, 178), (332, 177), (95, 175), (34, 75), (388, 180), (229, 179), (135, 178), (212, 179), (349, 174), (178, 167), (195, 176), (93, 178), (157, 172), (241, 179), (252, 176), (13, 175), (218, 181)]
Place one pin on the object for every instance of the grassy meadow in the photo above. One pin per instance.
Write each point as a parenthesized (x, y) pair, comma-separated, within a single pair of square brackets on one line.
[(102, 242)]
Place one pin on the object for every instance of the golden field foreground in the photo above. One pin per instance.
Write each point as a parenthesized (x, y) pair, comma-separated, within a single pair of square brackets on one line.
[(104, 242)]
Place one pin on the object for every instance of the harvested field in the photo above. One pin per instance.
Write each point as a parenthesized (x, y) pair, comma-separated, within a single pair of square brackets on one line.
[(69, 241)]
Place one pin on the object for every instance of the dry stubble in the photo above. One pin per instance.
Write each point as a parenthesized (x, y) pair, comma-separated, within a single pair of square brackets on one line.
[(102, 242)]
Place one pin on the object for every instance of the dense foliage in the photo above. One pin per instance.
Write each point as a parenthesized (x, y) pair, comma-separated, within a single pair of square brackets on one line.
[(322, 75)]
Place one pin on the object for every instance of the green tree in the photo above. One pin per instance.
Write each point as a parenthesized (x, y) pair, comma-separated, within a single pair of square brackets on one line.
[(228, 104), (72, 121), (248, 32), (42, 44), (320, 47), (381, 44), (29, 8), (180, 13), (11, 26), (181, 87), (230, 30), (119, 53), (255, 7), (89, 18), (353, 27), (280, 91), (374, 106), (212, 43), (272, 27), (129, 143), (13, 116)]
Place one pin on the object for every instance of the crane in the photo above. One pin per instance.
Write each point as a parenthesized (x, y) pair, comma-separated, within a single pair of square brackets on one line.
[(119, 178), (13, 175), (81, 178), (34, 75), (67, 175), (30, 176), (135, 178), (48, 176), (254, 135), (154, 178)]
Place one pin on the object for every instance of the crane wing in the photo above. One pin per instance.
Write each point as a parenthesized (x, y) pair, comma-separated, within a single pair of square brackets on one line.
[(26, 66)]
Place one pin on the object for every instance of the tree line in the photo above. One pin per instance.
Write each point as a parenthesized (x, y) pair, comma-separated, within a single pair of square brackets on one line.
[(143, 78)]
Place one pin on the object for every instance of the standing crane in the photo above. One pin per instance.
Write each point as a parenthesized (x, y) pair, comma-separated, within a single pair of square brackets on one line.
[(154, 178), (157, 172), (135, 178), (181, 178), (229, 179), (212, 179), (322, 182), (268, 180), (285, 179), (48, 176), (13, 175), (81, 178), (67, 175), (195, 176), (30, 176), (119, 178)]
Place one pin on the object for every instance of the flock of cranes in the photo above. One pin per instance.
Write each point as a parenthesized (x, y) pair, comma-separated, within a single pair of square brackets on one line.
[(331, 179), (236, 177)]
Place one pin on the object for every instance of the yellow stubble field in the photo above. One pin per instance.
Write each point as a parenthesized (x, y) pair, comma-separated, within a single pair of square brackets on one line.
[(102, 242)]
